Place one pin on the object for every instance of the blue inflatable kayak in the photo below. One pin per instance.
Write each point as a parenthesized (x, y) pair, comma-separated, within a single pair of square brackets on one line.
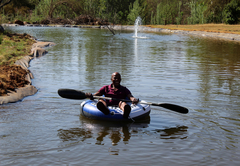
[(138, 112)]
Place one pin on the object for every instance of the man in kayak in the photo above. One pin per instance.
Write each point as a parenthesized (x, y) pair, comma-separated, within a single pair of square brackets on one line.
[(114, 90)]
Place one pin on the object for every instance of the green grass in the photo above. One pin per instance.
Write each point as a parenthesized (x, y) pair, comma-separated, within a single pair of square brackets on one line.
[(220, 28), (13, 48)]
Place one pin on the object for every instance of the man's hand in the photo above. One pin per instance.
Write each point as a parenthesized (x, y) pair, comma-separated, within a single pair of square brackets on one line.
[(89, 95), (134, 100)]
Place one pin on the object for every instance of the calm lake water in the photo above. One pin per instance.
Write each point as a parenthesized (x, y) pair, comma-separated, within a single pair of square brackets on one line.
[(198, 73)]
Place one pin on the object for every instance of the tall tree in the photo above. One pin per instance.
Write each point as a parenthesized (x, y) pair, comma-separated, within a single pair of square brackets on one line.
[(135, 10), (118, 9), (59, 8), (215, 10), (232, 12)]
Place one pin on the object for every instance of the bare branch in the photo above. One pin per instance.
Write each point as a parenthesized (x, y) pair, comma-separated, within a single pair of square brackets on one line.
[(4, 3), (111, 30), (54, 6)]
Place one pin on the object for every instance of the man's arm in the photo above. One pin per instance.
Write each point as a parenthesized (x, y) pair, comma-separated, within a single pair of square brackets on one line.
[(133, 99)]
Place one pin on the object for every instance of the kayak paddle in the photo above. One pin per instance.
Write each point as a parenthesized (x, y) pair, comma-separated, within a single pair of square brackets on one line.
[(79, 95)]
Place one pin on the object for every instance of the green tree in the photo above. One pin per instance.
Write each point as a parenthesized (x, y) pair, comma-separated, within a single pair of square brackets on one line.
[(102, 8), (166, 12), (232, 12), (201, 8), (180, 13), (135, 11), (59, 8), (2, 3), (214, 11), (197, 12), (17, 10), (118, 10)]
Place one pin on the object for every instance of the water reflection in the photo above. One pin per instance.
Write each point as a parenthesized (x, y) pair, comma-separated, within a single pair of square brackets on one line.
[(219, 78), (136, 49), (117, 132), (173, 133), (101, 130)]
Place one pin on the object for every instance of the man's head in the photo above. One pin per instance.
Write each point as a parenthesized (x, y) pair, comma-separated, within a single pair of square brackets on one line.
[(116, 79)]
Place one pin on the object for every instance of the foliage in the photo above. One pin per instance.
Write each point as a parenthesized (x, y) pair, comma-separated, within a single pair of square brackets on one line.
[(197, 13), (166, 12), (162, 11), (16, 6), (13, 47), (214, 12), (135, 11), (232, 12), (117, 10), (180, 13), (125, 11)]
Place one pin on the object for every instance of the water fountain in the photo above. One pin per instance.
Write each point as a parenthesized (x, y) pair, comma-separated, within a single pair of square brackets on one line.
[(137, 24)]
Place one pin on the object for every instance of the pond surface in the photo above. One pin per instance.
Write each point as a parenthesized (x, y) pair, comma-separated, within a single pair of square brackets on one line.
[(198, 73)]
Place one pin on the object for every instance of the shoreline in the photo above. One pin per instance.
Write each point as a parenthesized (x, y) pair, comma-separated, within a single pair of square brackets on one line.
[(224, 36), (214, 35), (28, 90)]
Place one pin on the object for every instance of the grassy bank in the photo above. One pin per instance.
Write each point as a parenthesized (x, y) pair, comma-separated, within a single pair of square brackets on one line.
[(14, 47), (220, 28)]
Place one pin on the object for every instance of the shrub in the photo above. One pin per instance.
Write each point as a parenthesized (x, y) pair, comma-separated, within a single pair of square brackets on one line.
[(231, 12)]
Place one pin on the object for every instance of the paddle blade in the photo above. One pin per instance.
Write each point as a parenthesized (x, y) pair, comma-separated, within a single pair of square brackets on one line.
[(71, 94), (173, 107)]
